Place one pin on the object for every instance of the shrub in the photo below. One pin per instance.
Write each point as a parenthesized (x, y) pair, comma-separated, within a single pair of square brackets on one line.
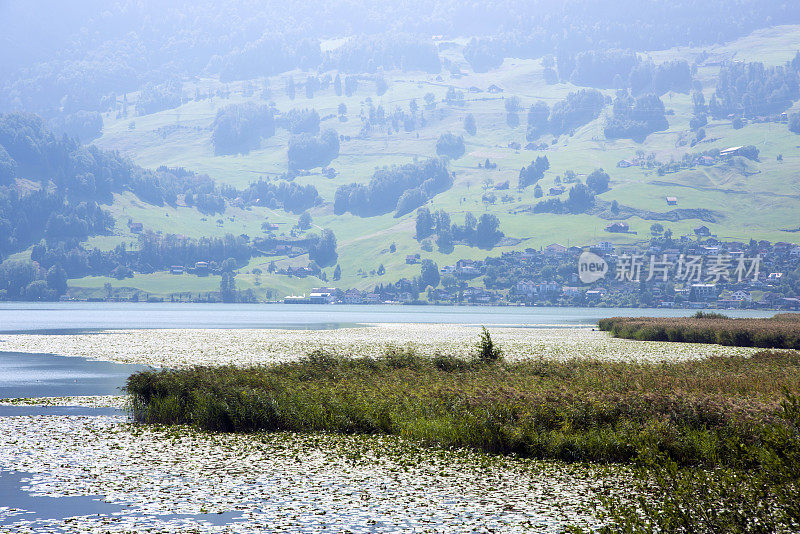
[(574, 410), (671, 498), (488, 352), (709, 315)]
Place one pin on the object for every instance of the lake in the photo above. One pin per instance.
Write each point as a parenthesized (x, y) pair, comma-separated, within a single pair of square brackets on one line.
[(300, 483), (45, 375), (80, 316)]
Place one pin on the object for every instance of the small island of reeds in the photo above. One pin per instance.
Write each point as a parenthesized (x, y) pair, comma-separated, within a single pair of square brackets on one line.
[(779, 332), (720, 433)]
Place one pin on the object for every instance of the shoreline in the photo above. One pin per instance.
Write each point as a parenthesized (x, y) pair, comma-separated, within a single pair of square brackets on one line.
[(179, 348)]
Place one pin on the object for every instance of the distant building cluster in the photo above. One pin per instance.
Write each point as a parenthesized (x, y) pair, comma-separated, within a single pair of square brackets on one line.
[(548, 276)]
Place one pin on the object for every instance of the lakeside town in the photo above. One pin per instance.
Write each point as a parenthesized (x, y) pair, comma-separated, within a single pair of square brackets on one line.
[(549, 277)]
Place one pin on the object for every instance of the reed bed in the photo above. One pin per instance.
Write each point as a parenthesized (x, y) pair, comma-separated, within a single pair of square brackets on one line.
[(714, 443), (696, 412), (779, 332)]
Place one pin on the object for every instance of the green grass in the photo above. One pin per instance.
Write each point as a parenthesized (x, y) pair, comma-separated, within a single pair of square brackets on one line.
[(781, 331), (671, 498), (751, 206), (158, 284)]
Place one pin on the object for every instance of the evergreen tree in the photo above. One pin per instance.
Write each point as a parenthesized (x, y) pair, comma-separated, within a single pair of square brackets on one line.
[(304, 222), (323, 248), (227, 287), (57, 279), (337, 85), (429, 274), (598, 181), (469, 124), (424, 223)]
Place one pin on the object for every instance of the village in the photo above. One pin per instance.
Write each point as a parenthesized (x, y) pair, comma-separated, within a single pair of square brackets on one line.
[(549, 277)]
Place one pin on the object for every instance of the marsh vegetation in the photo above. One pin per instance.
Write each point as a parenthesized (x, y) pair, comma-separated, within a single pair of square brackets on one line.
[(720, 433), (779, 332)]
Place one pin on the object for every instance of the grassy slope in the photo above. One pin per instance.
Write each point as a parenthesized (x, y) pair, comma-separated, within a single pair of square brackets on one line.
[(756, 206)]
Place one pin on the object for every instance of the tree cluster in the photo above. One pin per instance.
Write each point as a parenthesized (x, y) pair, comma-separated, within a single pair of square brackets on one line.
[(22, 280), (282, 194), (74, 180), (620, 69), (367, 54), (322, 249), (483, 55), (533, 172), (272, 53), (596, 68), (86, 60), (307, 151), (398, 188), (598, 181), (577, 109), (635, 117), (794, 126), (299, 121), (752, 90), (85, 126), (647, 77), (450, 145), (580, 199), (239, 128), (154, 98), (482, 233)]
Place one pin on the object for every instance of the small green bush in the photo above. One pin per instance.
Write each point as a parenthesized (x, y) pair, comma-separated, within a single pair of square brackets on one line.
[(709, 315), (488, 352)]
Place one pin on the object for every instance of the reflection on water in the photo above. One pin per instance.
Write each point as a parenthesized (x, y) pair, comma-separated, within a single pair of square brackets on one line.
[(44, 375), (27, 316), (71, 411), (28, 507), (18, 506)]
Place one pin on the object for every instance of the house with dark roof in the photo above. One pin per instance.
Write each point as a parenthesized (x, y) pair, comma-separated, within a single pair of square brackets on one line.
[(702, 231)]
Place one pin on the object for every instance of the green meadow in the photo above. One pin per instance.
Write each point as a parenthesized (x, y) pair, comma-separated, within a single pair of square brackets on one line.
[(751, 199)]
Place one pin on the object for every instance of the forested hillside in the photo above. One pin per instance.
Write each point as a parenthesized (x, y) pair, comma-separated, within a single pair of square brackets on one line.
[(254, 150), (88, 54), (55, 193)]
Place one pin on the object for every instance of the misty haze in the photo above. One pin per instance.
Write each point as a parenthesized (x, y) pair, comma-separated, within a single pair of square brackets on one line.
[(437, 266)]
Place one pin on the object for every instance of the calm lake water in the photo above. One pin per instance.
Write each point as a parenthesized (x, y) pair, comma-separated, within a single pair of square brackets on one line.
[(71, 316), (40, 375), (31, 375), (46, 375)]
